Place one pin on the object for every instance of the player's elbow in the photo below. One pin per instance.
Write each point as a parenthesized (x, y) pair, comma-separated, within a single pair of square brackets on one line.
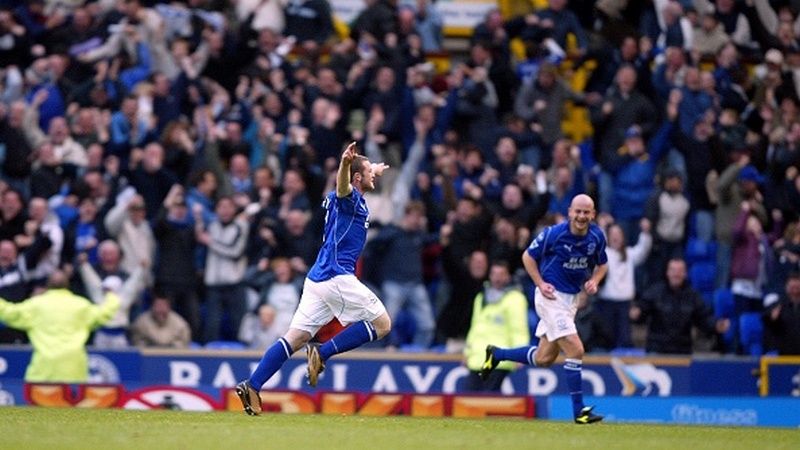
[(525, 258)]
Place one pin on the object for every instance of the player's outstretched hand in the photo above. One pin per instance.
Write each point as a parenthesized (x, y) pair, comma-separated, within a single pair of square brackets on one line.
[(378, 168), (548, 290)]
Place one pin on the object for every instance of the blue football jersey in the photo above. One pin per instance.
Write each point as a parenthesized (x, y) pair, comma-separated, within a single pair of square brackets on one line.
[(565, 260), (346, 223)]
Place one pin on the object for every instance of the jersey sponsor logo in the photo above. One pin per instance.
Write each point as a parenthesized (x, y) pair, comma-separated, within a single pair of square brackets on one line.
[(577, 263)]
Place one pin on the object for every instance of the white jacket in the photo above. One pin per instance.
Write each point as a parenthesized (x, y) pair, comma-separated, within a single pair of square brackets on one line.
[(619, 284)]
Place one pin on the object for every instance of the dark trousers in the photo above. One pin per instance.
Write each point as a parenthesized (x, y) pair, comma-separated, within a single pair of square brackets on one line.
[(186, 304), (224, 301), (615, 315)]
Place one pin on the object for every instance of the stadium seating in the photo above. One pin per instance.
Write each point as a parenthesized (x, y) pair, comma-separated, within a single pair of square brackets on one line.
[(723, 303), (700, 250), (724, 308), (751, 333), (701, 276)]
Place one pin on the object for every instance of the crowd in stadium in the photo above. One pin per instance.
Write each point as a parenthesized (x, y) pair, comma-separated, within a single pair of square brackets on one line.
[(176, 153)]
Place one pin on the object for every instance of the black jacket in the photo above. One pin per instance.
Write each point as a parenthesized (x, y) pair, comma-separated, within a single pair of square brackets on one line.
[(670, 315), (785, 331), (175, 252)]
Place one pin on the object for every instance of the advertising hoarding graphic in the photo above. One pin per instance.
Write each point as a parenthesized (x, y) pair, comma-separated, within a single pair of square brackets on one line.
[(716, 411), (168, 397), (642, 378), (430, 374)]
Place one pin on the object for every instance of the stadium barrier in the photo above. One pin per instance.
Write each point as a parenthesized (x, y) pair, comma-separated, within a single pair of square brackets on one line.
[(381, 372), (718, 391)]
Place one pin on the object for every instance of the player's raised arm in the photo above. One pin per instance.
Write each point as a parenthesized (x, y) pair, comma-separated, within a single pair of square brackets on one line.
[(343, 187)]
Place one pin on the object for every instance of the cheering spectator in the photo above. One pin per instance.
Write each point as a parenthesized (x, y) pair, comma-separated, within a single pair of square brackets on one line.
[(737, 183), (225, 238), (668, 210), (783, 319), (126, 222), (621, 108), (309, 21), (398, 251), (175, 274), (160, 327), (58, 324), (84, 234), (15, 278), (12, 215), (542, 100), (280, 298), (151, 180), (670, 309), (108, 277), (751, 262), (616, 296)]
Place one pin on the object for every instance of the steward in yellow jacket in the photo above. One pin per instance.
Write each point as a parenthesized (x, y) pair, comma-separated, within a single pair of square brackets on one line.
[(500, 318), (58, 324)]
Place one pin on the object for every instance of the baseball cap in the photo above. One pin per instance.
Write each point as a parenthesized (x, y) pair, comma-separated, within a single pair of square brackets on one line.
[(774, 56), (749, 173), (633, 131)]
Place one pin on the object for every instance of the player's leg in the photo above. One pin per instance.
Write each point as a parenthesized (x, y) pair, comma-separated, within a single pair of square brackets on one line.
[(546, 353), (275, 356), (311, 314), (361, 309), (572, 347), (525, 354)]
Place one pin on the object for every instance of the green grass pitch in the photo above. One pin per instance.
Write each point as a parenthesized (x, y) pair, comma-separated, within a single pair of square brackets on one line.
[(72, 428)]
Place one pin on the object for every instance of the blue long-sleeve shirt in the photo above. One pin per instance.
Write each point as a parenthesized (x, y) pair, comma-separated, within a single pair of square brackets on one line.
[(633, 183), (129, 77), (444, 117)]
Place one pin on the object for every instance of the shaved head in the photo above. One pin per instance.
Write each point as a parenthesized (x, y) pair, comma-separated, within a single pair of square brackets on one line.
[(581, 214), (582, 200)]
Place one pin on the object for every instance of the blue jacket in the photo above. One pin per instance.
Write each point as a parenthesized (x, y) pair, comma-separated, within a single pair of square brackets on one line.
[(633, 183)]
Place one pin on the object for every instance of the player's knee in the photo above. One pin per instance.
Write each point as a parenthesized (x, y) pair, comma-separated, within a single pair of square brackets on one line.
[(543, 361), (297, 338), (383, 325), (576, 352)]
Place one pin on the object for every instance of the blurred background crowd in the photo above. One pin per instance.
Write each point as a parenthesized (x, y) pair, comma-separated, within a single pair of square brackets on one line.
[(176, 153)]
